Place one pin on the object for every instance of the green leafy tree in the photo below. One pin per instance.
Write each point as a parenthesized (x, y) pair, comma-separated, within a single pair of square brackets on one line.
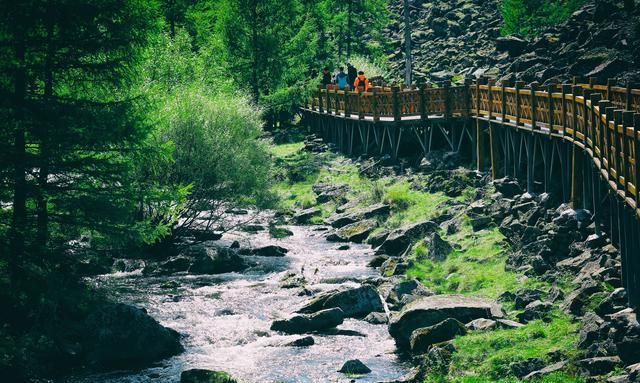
[(528, 17)]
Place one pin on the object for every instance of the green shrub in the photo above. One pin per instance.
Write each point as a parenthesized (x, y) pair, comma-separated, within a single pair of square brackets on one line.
[(529, 17)]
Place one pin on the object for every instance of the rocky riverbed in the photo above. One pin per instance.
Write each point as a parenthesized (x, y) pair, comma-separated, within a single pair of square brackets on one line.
[(226, 319)]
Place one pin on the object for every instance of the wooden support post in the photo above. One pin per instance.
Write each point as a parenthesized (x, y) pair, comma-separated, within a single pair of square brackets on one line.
[(595, 101), (628, 97), (586, 127), (592, 81), (490, 84), (320, 107), (328, 105), (360, 105)]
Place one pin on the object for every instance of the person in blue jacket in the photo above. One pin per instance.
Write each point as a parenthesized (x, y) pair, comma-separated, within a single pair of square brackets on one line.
[(342, 80)]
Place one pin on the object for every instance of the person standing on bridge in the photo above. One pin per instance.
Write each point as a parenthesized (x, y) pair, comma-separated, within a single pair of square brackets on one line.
[(326, 77), (361, 82), (352, 73), (342, 80)]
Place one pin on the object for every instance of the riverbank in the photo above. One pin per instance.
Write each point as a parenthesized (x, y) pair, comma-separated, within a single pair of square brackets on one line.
[(536, 257)]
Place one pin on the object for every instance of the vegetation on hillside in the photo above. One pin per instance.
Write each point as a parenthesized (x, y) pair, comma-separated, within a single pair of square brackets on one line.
[(529, 17)]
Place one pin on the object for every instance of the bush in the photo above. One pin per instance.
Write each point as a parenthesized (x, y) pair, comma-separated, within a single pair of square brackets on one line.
[(529, 17), (217, 150)]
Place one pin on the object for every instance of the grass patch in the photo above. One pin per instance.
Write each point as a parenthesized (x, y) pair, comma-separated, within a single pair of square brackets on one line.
[(477, 268), (286, 150), (486, 356), (409, 205)]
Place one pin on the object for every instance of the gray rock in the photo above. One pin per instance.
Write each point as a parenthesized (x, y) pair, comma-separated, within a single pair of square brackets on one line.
[(218, 261), (431, 310), (123, 336), (299, 324), (422, 338), (525, 367), (525, 296), (482, 324), (354, 232), (305, 216), (355, 367), (506, 323), (535, 310), (377, 318), (355, 303), (270, 251), (205, 376), (302, 342), (546, 371), (437, 247), (399, 240), (597, 366)]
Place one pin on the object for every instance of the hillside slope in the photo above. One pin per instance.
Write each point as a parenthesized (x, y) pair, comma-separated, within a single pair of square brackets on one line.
[(463, 38)]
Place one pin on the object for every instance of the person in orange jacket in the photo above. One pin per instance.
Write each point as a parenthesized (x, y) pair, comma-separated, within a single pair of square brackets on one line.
[(361, 81)]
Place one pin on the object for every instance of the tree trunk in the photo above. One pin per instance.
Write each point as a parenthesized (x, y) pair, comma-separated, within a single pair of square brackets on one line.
[(255, 89), (407, 44), (19, 217), (42, 222), (349, 27)]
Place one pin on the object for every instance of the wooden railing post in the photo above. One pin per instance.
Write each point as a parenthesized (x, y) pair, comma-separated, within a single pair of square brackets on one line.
[(609, 142), (636, 146), (617, 119), (602, 131), (610, 83), (586, 129), (360, 96), (336, 101), (551, 105), (447, 99), (467, 98), (320, 107), (374, 105), (519, 85), (423, 102), (566, 89), (628, 97), (479, 137), (627, 122), (534, 106), (490, 85), (328, 106), (592, 81), (347, 107), (595, 101), (575, 90), (397, 116)]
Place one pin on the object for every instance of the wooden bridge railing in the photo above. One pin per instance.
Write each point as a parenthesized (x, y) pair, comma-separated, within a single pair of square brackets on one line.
[(602, 120)]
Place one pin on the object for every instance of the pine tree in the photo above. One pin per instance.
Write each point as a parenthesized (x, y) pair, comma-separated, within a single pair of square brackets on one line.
[(74, 120)]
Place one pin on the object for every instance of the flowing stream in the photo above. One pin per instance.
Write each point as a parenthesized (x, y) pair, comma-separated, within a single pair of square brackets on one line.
[(225, 319)]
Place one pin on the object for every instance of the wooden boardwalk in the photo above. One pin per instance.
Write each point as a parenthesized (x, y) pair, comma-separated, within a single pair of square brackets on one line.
[(580, 140)]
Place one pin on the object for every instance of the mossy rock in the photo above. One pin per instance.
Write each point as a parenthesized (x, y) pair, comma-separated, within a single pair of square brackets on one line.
[(206, 376)]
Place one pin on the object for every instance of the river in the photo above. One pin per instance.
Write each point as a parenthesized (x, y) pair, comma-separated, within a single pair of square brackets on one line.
[(225, 318)]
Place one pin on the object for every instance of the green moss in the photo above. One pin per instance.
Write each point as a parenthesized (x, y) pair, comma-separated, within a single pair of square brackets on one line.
[(286, 150)]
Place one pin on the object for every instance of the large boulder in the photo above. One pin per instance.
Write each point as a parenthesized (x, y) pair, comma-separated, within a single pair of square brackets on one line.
[(300, 324), (123, 336), (270, 251), (399, 240), (353, 232), (431, 310), (377, 210), (304, 216), (422, 338), (205, 376), (217, 261), (354, 303), (438, 248)]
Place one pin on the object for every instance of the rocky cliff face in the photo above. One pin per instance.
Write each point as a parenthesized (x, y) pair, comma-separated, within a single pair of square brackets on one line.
[(462, 38)]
